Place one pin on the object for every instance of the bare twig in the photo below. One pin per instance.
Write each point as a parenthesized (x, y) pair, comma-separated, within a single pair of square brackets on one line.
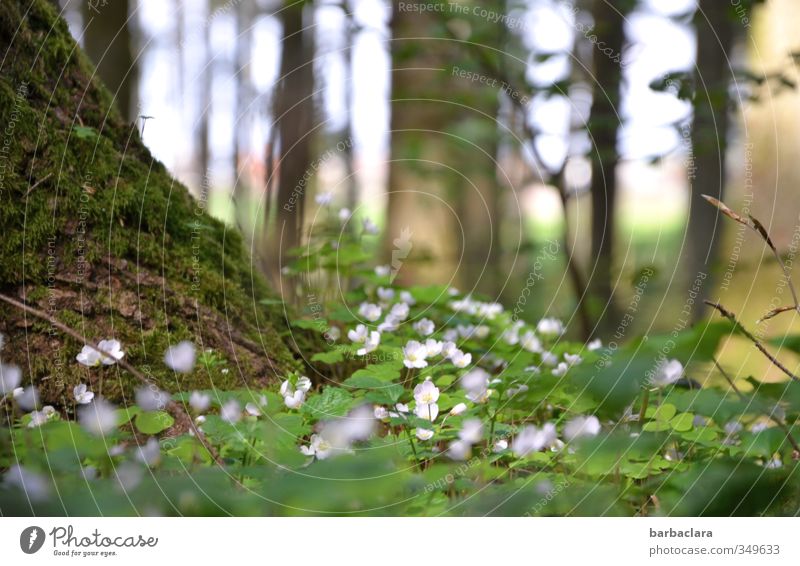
[(753, 223), (37, 183), (781, 424), (756, 342), (172, 407)]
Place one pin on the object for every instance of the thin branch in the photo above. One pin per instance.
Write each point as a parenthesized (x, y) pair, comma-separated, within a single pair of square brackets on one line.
[(172, 407), (732, 317), (778, 421)]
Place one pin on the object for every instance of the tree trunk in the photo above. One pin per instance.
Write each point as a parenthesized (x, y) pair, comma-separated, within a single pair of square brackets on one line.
[(603, 127), (100, 236), (294, 117), (715, 35), (443, 200), (107, 41)]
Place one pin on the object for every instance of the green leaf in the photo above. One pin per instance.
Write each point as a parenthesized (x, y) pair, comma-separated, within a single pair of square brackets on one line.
[(153, 422), (385, 372), (656, 426), (683, 422), (661, 413), (333, 402), (331, 357)]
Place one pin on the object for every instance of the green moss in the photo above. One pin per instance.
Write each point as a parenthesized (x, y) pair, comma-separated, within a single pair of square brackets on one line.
[(118, 228)]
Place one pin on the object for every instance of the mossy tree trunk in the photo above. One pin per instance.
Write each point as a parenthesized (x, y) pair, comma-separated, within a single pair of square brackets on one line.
[(101, 237)]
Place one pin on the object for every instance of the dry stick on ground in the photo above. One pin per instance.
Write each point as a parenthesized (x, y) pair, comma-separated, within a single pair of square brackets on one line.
[(778, 421), (732, 317), (172, 407)]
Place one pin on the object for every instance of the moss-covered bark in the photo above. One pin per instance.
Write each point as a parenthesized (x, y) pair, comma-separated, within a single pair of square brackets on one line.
[(99, 235)]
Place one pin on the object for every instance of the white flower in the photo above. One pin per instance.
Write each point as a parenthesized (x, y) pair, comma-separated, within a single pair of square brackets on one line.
[(370, 311), (295, 399), (324, 199), (572, 359), (532, 439), (380, 413), (465, 330), (423, 433), (344, 214), (560, 370), (383, 270), (28, 399), (34, 485), (426, 393), (385, 294), (38, 418), (359, 335), (595, 344), (459, 450), (481, 331), (303, 384), (151, 398), (549, 359), (333, 333), (581, 427), (389, 324), (666, 373), (733, 427), (112, 347), (10, 378), (18, 392), (231, 412), (433, 347), (150, 453), (371, 344), (511, 336), (180, 357), (424, 327), (399, 311), (90, 357), (460, 359), (458, 409), (774, 463), (476, 383), (429, 411), (448, 349), (500, 445), (414, 355), (530, 342), (319, 447), (99, 417), (200, 402), (252, 410), (407, 298), (550, 326), (471, 431), (370, 227), (82, 394), (450, 335), (401, 408)]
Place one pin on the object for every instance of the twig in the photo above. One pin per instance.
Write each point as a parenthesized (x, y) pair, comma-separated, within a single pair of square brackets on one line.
[(753, 223), (172, 407), (732, 317), (778, 421), (37, 183)]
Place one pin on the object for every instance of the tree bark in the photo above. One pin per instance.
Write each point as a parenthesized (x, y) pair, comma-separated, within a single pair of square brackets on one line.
[(99, 236), (604, 124), (107, 41), (294, 117), (443, 191), (715, 36)]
